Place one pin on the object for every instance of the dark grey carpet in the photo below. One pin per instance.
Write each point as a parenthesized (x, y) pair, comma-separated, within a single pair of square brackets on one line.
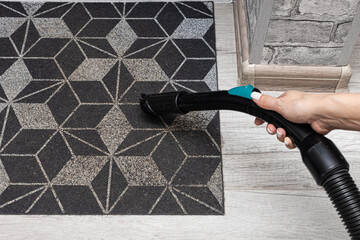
[(73, 137)]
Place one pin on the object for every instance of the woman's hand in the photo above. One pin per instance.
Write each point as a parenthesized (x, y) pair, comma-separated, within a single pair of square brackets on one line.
[(297, 107)]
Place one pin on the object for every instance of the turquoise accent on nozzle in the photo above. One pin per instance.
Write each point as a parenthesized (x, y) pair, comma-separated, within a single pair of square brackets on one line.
[(242, 91)]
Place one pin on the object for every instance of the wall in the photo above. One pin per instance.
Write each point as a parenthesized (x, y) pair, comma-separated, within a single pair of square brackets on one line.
[(310, 32)]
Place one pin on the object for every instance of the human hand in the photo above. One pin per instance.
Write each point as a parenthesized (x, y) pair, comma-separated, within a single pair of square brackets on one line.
[(295, 106)]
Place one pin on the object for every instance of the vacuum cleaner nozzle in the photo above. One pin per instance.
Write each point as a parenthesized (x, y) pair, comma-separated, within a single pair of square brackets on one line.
[(162, 103)]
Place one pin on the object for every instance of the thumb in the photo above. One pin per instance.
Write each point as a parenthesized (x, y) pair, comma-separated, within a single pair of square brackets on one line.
[(265, 101)]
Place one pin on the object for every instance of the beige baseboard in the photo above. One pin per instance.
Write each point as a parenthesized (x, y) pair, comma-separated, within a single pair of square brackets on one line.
[(273, 77)]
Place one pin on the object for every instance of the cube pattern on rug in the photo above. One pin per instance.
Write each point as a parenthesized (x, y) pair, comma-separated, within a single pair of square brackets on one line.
[(73, 137)]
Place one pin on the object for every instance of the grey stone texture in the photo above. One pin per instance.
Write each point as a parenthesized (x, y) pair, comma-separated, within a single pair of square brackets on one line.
[(328, 7), (267, 55), (283, 7), (306, 56), (341, 32), (309, 28), (299, 31)]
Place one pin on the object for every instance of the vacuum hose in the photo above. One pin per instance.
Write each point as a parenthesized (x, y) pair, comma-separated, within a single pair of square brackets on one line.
[(320, 155)]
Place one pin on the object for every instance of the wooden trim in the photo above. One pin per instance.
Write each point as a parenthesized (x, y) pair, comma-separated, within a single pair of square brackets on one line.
[(293, 71), (273, 77), (240, 26), (238, 37), (343, 85), (248, 73), (299, 84)]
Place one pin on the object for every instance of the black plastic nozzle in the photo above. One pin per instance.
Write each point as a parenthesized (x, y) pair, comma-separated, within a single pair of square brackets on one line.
[(162, 103)]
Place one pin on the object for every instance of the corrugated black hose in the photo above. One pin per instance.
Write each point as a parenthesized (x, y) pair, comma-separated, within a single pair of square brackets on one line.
[(344, 194)]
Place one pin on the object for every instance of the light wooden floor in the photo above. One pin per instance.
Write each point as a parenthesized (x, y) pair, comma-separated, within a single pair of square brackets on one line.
[(268, 192)]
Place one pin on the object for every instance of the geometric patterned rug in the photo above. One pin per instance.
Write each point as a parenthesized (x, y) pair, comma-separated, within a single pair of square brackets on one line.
[(73, 138)]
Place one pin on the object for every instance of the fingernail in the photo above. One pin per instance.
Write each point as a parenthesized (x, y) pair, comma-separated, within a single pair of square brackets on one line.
[(256, 95), (269, 131), (279, 134), (286, 143)]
